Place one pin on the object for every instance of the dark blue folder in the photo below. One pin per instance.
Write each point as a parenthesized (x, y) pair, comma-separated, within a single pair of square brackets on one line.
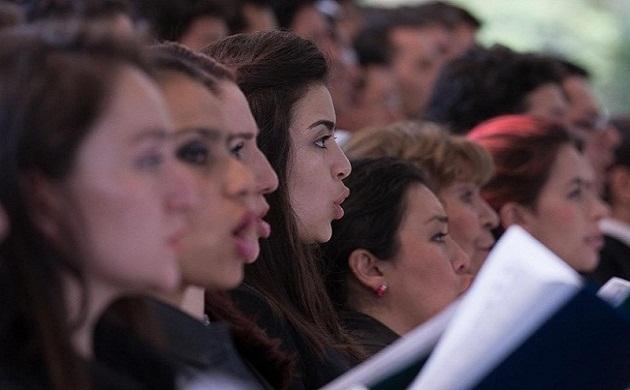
[(584, 345)]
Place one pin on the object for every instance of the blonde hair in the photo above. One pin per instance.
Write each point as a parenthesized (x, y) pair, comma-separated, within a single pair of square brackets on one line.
[(444, 158)]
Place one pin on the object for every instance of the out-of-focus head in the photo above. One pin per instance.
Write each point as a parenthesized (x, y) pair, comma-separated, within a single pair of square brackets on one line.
[(223, 232), (251, 16), (394, 234), (587, 121), (618, 183), (485, 83), (283, 77), (117, 15), (544, 184), (193, 23), (10, 14), (456, 169), (116, 217), (461, 25)]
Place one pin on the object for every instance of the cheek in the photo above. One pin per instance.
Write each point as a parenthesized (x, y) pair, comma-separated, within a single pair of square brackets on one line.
[(463, 226)]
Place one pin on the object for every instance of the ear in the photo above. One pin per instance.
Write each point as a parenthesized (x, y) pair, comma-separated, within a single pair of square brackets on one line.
[(513, 213), (366, 268), (44, 200)]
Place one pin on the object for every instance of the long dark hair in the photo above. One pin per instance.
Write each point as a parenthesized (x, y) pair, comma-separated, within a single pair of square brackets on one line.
[(54, 84), (274, 69)]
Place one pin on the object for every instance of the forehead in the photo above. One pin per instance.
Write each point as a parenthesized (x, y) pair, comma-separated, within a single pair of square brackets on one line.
[(238, 116), (422, 205), (580, 96), (315, 105), (569, 165), (136, 105), (190, 103)]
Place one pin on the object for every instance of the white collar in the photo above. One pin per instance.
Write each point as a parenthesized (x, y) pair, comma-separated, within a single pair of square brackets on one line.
[(616, 229)]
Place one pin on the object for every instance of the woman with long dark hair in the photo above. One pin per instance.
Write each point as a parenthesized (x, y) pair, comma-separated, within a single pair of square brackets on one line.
[(94, 197), (284, 79)]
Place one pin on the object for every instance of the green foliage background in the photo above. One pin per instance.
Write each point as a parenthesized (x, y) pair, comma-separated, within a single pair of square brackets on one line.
[(592, 33)]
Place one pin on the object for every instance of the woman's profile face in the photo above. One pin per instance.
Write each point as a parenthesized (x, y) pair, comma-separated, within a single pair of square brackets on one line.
[(126, 198), (470, 220), (568, 210), (430, 270), (222, 233), (317, 166), (242, 131)]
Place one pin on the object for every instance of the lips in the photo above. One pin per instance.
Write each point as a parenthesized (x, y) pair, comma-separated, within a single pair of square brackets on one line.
[(337, 203), (245, 238), (595, 241), (262, 227)]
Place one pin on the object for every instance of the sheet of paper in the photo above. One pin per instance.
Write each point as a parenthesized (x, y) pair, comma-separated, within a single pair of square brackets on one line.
[(615, 291), (520, 285), (414, 345)]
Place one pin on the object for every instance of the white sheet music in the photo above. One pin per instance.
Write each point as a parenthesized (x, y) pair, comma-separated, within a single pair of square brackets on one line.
[(520, 285)]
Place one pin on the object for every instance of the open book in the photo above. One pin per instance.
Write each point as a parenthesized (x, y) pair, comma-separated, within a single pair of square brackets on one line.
[(523, 294)]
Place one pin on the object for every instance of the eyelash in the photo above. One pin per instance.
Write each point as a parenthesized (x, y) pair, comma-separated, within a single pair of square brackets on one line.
[(194, 153), (440, 237), (149, 161), (237, 149), (575, 194), (321, 143)]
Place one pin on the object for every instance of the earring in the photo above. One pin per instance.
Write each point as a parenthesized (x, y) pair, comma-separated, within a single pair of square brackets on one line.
[(380, 290)]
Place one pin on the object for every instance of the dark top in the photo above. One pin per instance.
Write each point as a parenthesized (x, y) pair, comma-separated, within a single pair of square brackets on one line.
[(118, 349), (367, 331), (204, 352), (614, 260), (311, 371)]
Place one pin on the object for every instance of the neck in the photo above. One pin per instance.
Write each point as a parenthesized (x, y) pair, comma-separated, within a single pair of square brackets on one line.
[(189, 299), (381, 310), (99, 295)]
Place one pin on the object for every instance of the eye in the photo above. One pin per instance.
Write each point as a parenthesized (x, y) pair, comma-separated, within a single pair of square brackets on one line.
[(575, 194), (321, 142), (439, 237), (237, 149), (194, 153), (467, 196), (149, 160)]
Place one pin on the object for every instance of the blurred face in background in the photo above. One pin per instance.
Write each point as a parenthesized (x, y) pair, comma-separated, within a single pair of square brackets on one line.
[(222, 233), (568, 210), (586, 121), (470, 220), (127, 198)]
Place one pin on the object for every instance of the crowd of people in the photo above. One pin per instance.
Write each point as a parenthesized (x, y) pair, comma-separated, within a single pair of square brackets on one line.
[(258, 194)]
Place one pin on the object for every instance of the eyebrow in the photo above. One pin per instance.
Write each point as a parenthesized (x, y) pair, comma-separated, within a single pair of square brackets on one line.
[(241, 135), (324, 122), (158, 134), (578, 181), (439, 218), (209, 134)]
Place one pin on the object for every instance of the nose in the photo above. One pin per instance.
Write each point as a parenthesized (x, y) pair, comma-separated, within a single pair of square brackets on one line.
[(239, 182), (266, 178), (460, 261), (341, 167), (182, 191), (488, 217)]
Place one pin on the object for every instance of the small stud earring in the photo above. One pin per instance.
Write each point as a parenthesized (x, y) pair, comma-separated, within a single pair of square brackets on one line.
[(380, 290)]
